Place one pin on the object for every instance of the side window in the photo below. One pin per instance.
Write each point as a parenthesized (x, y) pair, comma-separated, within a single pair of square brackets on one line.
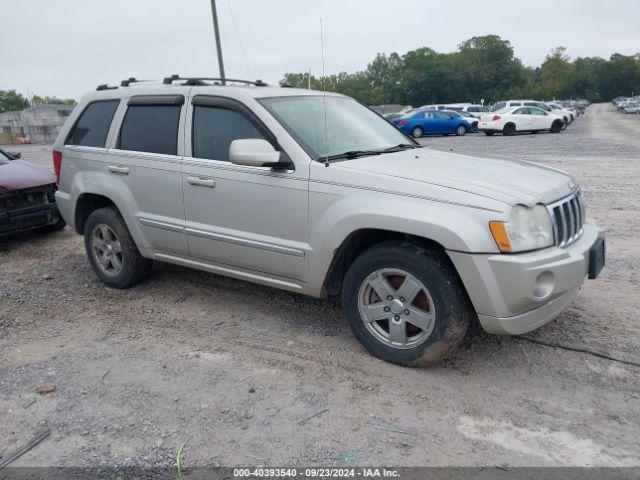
[(214, 128), (93, 124), (482, 109), (536, 111), (521, 111), (472, 109), (150, 128)]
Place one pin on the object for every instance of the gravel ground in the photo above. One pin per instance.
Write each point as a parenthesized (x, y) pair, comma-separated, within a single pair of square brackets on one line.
[(251, 375)]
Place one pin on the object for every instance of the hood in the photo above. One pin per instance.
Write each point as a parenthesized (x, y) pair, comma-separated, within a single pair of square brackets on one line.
[(18, 175), (506, 181)]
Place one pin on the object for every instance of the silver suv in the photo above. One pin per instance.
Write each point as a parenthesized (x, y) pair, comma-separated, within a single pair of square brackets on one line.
[(315, 193)]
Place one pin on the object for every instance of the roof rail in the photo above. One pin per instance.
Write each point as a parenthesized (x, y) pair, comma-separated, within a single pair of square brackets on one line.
[(201, 80), (104, 86), (130, 80)]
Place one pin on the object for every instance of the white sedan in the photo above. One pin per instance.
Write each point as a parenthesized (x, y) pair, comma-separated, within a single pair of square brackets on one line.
[(510, 121)]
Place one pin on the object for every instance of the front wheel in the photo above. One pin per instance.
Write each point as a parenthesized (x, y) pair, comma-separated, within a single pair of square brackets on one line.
[(461, 130), (556, 127), (112, 253), (406, 304), (417, 132)]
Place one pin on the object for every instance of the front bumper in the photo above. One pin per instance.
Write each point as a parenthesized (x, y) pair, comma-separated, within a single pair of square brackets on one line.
[(514, 294), (28, 218)]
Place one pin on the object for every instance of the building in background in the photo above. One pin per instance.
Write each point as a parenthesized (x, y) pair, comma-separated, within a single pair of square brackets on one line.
[(37, 124)]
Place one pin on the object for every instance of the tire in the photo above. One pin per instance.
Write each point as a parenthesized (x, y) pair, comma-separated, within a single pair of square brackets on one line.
[(509, 129), (417, 132), (556, 126), (441, 297), (111, 251), (488, 134), (461, 131)]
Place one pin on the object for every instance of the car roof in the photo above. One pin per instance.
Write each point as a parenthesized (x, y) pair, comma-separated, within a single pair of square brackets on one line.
[(231, 91)]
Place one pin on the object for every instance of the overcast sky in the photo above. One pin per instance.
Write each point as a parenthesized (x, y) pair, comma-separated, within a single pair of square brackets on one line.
[(66, 47)]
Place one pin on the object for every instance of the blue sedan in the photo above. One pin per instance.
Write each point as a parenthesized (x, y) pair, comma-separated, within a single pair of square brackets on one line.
[(432, 122)]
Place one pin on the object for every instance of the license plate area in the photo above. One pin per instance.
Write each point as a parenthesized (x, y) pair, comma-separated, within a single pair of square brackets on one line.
[(596, 258)]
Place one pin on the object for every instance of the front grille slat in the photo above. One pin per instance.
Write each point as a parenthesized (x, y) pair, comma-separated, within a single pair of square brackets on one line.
[(568, 217)]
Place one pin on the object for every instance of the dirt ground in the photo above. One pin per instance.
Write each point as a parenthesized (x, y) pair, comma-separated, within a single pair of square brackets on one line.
[(250, 375)]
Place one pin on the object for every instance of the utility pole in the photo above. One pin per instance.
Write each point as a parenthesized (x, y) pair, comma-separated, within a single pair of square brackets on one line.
[(216, 30)]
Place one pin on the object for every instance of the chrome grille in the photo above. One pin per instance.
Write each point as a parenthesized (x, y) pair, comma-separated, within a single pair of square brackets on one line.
[(568, 219)]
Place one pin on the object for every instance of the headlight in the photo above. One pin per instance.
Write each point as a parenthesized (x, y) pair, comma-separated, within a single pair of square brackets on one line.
[(527, 229)]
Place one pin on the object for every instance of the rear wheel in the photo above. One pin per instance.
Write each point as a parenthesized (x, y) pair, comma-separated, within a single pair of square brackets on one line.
[(417, 132), (112, 253), (406, 304), (461, 130), (509, 129)]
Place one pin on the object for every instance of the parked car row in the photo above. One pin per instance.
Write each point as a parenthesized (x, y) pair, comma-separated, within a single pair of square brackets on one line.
[(627, 104), (506, 117)]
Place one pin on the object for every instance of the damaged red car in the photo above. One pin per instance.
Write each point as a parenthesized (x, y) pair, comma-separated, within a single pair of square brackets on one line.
[(27, 197)]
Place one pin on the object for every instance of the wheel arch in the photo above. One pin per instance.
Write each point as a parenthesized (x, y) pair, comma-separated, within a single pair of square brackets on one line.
[(359, 241), (93, 190)]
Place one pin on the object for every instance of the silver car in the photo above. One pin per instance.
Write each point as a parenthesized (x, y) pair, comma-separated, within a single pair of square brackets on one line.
[(314, 193)]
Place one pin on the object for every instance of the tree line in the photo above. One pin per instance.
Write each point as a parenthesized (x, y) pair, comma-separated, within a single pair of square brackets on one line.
[(12, 101), (482, 67)]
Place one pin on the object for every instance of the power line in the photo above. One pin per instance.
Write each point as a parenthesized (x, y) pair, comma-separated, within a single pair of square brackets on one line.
[(235, 26)]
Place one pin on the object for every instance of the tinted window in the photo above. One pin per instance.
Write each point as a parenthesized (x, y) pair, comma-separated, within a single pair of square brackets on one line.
[(215, 128), (472, 109), (150, 128), (455, 109), (93, 125), (498, 106)]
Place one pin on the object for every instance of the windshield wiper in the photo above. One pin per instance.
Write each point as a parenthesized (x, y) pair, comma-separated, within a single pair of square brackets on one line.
[(353, 154), (402, 146)]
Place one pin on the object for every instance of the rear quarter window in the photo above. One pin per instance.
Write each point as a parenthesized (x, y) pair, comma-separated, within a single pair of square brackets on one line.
[(92, 126)]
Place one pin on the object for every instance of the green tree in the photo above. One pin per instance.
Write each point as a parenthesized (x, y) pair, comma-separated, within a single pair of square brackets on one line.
[(10, 100), (554, 74), (37, 100)]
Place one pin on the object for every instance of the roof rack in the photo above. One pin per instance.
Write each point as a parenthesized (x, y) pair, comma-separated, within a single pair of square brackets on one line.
[(201, 80), (188, 81), (130, 80)]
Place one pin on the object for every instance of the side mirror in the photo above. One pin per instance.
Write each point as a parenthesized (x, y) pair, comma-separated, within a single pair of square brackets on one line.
[(253, 152)]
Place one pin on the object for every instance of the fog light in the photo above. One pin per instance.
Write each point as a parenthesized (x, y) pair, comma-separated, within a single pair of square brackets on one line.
[(545, 284)]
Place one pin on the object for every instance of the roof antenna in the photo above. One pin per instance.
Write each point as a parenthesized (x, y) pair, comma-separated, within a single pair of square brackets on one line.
[(324, 95)]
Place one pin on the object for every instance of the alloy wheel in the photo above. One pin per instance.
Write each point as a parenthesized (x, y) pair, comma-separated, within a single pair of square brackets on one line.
[(106, 249), (396, 308)]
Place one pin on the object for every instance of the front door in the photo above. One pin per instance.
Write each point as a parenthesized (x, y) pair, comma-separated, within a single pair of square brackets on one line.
[(248, 217)]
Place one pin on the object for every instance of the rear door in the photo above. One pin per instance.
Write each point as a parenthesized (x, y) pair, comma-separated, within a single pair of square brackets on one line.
[(523, 119), (248, 217), (146, 159)]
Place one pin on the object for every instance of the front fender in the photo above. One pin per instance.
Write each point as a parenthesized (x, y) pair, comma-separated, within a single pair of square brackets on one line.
[(332, 220)]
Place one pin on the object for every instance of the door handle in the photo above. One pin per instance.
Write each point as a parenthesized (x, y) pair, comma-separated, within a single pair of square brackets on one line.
[(201, 182), (118, 169)]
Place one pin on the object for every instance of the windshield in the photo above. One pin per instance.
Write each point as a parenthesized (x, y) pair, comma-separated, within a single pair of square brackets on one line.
[(3, 158), (350, 127)]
